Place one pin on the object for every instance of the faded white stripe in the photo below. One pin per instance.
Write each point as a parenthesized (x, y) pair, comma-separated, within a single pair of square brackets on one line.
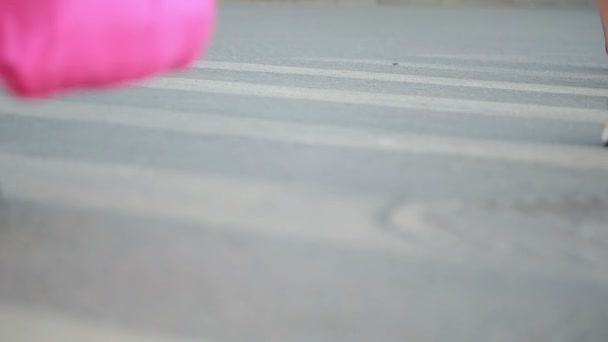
[(217, 202), (198, 123), (467, 68), (487, 108), (403, 78), (517, 59)]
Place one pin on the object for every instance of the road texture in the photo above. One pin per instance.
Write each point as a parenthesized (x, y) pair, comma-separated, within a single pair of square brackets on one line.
[(326, 174)]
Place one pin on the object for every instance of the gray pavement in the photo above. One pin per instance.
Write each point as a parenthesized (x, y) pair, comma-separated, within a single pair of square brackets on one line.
[(326, 174)]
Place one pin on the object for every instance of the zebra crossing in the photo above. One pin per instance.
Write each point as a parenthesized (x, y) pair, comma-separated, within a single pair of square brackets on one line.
[(14, 167), (134, 198), (325, 174), (265, 207)]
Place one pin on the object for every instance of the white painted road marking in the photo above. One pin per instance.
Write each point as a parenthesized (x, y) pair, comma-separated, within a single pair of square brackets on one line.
[(486, 108), (547, 60), (403, 78), (214, 202), (198, 123), (468, 68)]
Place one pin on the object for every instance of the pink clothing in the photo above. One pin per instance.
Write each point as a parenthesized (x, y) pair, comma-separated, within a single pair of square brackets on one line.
[(51, 45)]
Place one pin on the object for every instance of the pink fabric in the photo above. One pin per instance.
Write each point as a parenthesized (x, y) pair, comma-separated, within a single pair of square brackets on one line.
[(52, 45)]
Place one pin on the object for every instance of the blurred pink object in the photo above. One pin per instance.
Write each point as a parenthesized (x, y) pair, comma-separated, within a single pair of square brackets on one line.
[(52, 45)]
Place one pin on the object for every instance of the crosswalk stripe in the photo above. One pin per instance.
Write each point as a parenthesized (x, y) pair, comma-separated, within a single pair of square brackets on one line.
[(216, 202), (486, 108), (227, 204), (25, 325), (466, 68), (199, 123), (403, 78), (516, 59)]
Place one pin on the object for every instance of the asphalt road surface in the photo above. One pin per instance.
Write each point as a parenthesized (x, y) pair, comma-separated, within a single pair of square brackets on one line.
[(326, 174)]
